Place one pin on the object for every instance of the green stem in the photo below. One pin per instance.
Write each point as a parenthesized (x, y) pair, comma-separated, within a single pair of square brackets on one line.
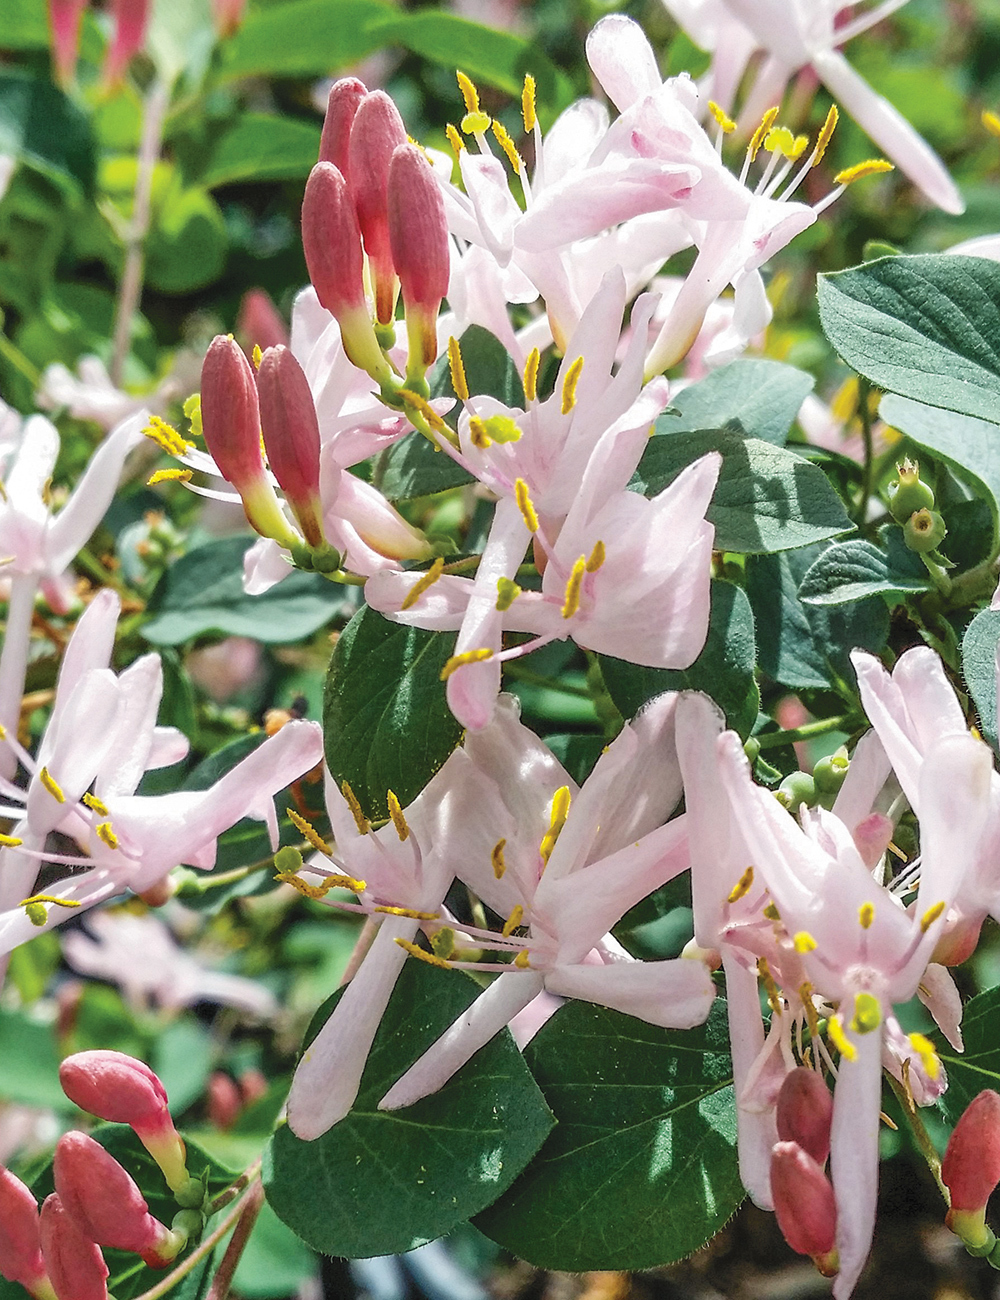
[(196, 1256), (774, 739), (19, 361), (233, 1190), (905, 1099), (536, 679), (864, 412)]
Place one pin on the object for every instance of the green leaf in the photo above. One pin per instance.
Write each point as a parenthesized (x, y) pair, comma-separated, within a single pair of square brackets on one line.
[(926, 326), (641, 1167), (850, 571), (386, 722), (29, 1062), (186, 248), (381, 1182), (183, 1056), (307, 37), (203, 592), (979, 666), (41, 125), (763, 396), (979, 1065), (767, 499), (724, 669), (262, 147)]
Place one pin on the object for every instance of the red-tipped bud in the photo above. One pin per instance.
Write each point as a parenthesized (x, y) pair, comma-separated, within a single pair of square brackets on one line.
[(131, 21), (804, 1205), (259, 323), (105, 1203), (418, 233), (20, 1240), (227, 15), (377, 132), (64, 22), (971, 1167), (345, 98), (75, 1264), (122, 1090), (224, 1100), (804, 1113), (291, 437)]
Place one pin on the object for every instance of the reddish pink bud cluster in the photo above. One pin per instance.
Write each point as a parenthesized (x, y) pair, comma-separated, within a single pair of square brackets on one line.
[(20, 1240), (971, 1168), (227, 1100), (803, 1195)]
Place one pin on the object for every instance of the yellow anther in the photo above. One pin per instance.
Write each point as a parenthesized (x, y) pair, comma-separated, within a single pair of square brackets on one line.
[(477, 433), (257, 356), (50, 784), (574, 586), (825, 135), (931, 915), (799, 146), (169, 476), (497, 859), (809, 1007), (513, 921), (3, 729), (507, 592), (597, 557), (557, 820), (360, 820), (469, 657), (105, 833), (924, 1048), (870, 167), (767, 979), (524, 504), (166, 436), (723, 118), (10, 841), (501, 428), (192, 410), (396, 813), (866, 915), (507, 145), (867, 1014), (457, 368), (521, 961), (772, 913), (476, 123), (531, 375), (309, 832), (317, 892), (757, 139), (804, 942), (411, 398), (528, 102), (454, 139), (569, 385), (422, 954), (779, 140), (443, 942), (991, 121), (742, 886), (408, 912), (425, 580), (96, 805), (469, 92), (49, 898), (835, 1031)]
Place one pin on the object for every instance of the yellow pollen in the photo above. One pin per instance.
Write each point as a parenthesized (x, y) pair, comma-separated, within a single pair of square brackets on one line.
[(931, 915), (477, 433), (460, 661), (507, 145), (767, 979), (497, 859), (309, 832), (569, 385), (867, 1014), (443, 942), (772, 913), (457, 367), (924, 1048), (3, 730), (808, 1006), (408, 912), (531, 375), (799, 146), (557, 820), (521, 961), (779, 140), (866, 915), (48, 898), (507, 592), (528, 102), (169, 476), (454, 139), (105, 833), (396, 813), (757, 139), (804, 942), (257, 356), (192, 410), (597, 557), (870, 167), (425, 409), (501, 428), (513, 921), (425, 580), (50, 784), (10, 841), (97, 805), (166, 436), (742, 886), (476, 123), (422, 955), (826, 134), (991, 121), (469, 92), (523, 499), (360, 820), (317, 892), (723, 119), (574, 585), (835, 1032)]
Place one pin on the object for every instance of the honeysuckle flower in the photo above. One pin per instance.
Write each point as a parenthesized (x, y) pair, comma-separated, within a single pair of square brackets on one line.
[(88, 393), (65, 17), (75, 1264), (567, 867), (712, 27), (20, 1239), (131, 21)]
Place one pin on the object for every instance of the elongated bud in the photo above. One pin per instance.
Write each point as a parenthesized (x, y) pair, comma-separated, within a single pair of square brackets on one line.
[(259, 323), (105, 1203), (345, 97), (131, 21), (227, 15), (224, 1100), (376, 133), (75, 1264), (418, 233), (64, 23), (230, 417), (971, 1168), (291, 437), (804, 1113), (331, 240), (122, 1090), (909, 492), (804, 1205), (20, 1239)]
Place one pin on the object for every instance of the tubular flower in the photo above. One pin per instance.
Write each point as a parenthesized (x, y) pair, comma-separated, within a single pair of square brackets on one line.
[(971, 1168), (74, 1262), (20, 1241)]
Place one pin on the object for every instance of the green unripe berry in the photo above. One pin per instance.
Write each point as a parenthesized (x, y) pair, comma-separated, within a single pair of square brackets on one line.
[(752, 748), (909, 493), (326, 558), (829, 773), (191, 1195), (302, 557), (924, 531), (189, 1223), (796, 789)]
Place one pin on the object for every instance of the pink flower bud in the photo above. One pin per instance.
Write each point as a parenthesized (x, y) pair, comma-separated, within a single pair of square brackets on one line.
[(291, 436), (959, 940), (871, 838), (64, 22), (74, 1263), (20, 1242), (253, 1086), (227, 16), (105, 1203), (804, 1113), (122, 1090), (131, 21), (804, 1205), (971, 1166), (345, 96), (259, 323), (377, 132), (224, 1100), (418, 234)]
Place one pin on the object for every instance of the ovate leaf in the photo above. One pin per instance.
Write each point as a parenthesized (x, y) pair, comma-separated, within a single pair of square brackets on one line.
[(979, 1065), (851, 571), (262, 147), (979, 664), (306, 37), (764, 396), (43, 126)]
